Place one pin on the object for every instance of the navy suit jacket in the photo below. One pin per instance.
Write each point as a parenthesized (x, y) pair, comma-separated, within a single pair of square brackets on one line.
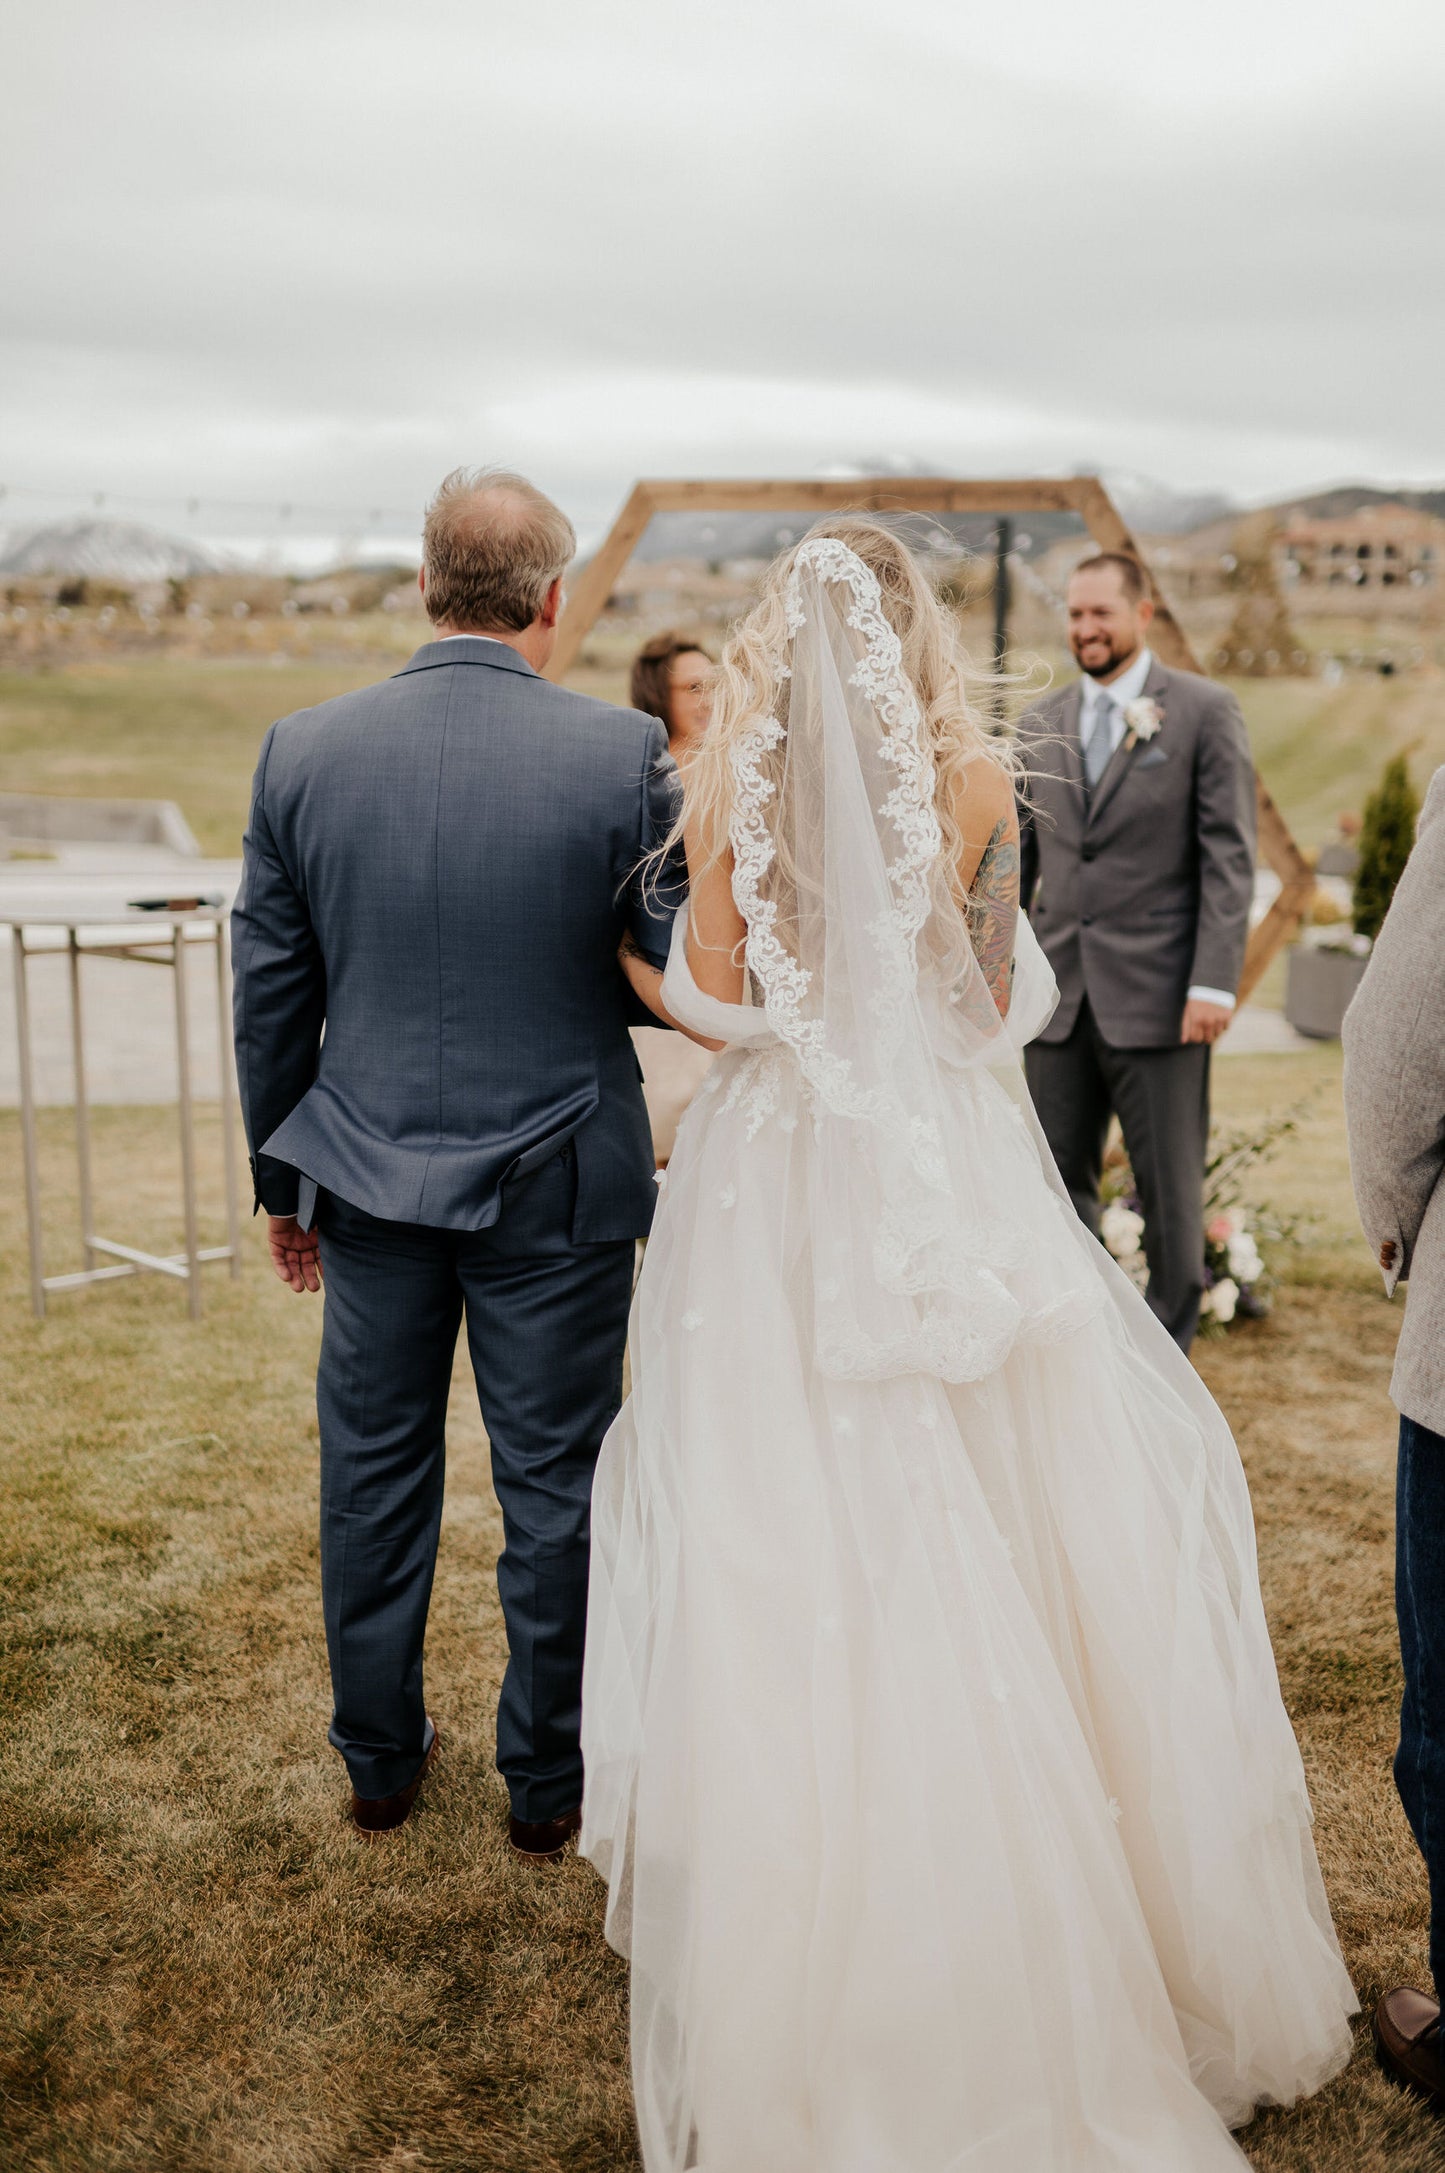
[(438, 872)]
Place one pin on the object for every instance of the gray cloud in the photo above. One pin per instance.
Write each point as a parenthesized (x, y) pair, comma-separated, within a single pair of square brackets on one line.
[(318, 252)]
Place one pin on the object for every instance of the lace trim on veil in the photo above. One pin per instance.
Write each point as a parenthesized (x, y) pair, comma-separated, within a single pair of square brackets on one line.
[(879, 676), (936, 1251)]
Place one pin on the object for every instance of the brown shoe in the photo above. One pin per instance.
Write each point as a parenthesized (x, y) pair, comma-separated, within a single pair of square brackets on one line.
[(372, 1815), (544, 1841), (1407, 2044)]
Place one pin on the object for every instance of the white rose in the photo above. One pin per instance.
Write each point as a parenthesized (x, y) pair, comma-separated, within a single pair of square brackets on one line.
[(1223, 1299), (1245, 1264), (1143, 718), (1121, 1229)]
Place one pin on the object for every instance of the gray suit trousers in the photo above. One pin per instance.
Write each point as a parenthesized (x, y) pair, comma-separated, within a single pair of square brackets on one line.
[(1161, 1098)]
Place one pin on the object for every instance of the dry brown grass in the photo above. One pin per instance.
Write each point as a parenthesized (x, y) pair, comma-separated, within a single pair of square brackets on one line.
[(206, 1972)]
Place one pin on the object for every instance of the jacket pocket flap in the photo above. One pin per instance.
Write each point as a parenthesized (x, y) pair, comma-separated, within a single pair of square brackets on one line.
[(543, 1150)]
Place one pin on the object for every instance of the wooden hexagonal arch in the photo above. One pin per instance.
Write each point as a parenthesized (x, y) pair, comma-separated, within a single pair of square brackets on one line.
[(1083, 494)]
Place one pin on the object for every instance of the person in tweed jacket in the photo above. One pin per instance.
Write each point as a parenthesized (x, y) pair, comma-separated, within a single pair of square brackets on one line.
[(1394, 1038)]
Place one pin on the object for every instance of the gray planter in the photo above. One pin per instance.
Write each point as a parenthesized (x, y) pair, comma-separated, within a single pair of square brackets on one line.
[(1318, 986)]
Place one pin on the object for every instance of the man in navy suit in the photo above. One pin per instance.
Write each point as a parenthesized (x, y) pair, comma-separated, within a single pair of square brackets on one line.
[(445, 1119)]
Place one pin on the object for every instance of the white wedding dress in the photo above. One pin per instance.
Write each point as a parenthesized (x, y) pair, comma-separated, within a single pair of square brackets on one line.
[(935, 1755)]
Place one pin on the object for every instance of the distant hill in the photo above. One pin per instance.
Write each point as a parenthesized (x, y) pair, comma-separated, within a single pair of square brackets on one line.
[(1156, 509), (1327, 505), (106, 551)]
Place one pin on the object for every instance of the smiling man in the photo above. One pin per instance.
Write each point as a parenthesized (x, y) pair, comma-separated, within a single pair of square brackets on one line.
[(1137, 822)]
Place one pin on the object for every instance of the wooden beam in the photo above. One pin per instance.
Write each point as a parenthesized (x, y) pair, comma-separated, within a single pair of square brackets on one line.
[(1273, 932), (595, 584), (872, 494)]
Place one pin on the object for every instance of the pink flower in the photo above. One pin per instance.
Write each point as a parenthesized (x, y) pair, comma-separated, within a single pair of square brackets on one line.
[(1219, 1231)]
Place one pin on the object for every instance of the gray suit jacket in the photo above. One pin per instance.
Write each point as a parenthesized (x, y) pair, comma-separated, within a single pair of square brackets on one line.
[(1395, 1108), (1143, 892), (438, 871)]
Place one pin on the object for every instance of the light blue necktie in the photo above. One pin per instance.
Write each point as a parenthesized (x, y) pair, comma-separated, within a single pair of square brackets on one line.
[(1100, 743)]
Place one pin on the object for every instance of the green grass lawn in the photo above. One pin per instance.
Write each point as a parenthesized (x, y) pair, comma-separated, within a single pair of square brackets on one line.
[(207, 1972), (188, 729), (1321, 749), (174, 729)]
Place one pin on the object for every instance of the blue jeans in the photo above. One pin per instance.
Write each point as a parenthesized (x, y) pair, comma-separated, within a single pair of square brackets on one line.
[(546, 1325), (1420, 1609)]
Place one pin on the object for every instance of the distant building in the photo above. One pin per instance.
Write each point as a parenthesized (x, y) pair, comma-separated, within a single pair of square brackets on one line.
[(1379, 547)]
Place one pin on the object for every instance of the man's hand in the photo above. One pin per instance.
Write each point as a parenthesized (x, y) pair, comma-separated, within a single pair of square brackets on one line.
[(1204, 1021), (295, 1253)]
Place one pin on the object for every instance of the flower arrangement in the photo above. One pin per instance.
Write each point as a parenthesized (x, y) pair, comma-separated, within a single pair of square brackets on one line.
[(1238, 1284)]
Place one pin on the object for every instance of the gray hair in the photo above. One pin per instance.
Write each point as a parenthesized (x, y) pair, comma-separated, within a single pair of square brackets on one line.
[(493, 546)]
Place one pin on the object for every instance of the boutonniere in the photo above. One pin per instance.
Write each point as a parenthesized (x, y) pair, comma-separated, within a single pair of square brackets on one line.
[(1143, 719)]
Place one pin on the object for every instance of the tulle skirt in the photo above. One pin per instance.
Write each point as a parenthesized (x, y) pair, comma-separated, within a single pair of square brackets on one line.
[(935, 1755)]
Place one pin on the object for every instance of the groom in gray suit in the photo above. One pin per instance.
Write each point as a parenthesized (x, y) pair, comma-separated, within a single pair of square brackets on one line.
[(1137, 830), (446, 1120)]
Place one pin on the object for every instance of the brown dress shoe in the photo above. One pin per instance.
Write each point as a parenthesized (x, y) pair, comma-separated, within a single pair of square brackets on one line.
[(383, 1814), (544, 1841), (1407, 2044)]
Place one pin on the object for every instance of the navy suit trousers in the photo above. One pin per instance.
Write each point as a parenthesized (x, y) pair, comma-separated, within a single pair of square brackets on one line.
[(546, 1327), (1420, 1610)]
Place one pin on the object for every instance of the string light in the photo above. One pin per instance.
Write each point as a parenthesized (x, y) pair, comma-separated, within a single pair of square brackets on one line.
[(328, 515)]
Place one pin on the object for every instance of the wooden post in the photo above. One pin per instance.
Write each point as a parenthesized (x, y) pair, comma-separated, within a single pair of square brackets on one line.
[(1003, 544), (588, 601)]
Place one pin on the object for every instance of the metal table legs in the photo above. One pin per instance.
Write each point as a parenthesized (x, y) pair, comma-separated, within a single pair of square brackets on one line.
[(27, 1124), (227, 1056), (82, 1107), (129, 1260)]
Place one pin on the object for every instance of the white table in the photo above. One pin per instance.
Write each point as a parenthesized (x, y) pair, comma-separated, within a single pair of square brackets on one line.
[(96, 919)]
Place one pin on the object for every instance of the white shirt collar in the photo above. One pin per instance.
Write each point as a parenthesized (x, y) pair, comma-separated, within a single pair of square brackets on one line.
[(1126, 688)]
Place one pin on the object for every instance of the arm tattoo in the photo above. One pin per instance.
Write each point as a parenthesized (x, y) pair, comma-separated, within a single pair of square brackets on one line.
[(994, 909)]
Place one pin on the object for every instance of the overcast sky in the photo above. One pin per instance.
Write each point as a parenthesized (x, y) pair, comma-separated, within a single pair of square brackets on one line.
[(318, 253)]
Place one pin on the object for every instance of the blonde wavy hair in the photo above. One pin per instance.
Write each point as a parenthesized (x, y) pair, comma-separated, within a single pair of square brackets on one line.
[(749, 684)]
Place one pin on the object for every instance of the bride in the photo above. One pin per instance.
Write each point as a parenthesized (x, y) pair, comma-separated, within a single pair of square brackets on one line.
[(935, 1756)]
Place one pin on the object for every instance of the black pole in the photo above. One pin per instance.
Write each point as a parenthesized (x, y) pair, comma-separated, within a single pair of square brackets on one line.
[(1003, 544)]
